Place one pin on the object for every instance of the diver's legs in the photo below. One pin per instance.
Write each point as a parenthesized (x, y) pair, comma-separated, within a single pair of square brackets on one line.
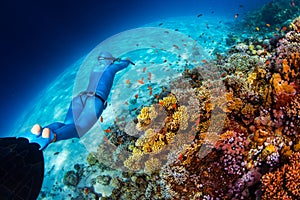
[(89, 115), (66, 131), (75, 109)]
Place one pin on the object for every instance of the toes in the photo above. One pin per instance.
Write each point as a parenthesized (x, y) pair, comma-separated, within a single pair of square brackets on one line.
[(36, 129), (46, 133)]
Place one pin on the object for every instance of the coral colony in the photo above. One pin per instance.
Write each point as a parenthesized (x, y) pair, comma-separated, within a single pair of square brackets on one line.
[(190, 144)]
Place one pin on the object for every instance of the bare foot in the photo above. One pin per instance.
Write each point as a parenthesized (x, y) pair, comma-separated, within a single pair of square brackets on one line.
[(36, 129), (46, 133)]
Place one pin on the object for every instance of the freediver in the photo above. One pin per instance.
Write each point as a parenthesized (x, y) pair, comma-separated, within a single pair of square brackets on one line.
[(85, 108)]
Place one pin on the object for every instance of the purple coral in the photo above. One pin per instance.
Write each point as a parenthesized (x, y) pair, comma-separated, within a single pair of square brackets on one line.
[(233, 148)]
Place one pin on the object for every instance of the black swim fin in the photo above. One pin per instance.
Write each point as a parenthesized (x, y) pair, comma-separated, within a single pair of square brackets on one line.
[(21, 169)]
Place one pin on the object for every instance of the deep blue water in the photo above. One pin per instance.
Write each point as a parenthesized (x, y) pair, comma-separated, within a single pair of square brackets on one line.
[(42, 38)]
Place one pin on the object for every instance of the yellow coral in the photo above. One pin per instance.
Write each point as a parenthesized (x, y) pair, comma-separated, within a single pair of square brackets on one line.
[(181, 117), (268, 150), (145, 117), (169, 102), (232, 102), (133, 163), (152, 165)]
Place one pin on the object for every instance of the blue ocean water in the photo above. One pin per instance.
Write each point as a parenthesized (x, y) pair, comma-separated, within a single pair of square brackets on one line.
[(41, 39), (51, 46)]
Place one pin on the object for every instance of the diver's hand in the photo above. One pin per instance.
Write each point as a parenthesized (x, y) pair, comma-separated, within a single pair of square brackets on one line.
[(43, 137)]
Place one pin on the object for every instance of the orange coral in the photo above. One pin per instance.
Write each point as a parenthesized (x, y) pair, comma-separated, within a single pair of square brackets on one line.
[(283, 183)]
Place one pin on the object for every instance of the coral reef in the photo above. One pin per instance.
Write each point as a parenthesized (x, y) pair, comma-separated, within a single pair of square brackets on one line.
[(284, 183), (202, 141)]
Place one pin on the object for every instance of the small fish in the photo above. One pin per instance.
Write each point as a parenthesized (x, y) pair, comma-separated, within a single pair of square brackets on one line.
[(176, 29), (267, 62), (257, 28), (175, 46), (141, 81), (144, 69), (204, 61), (277, 29), (101, 119), (292, 3), (86, 190), (107, 130), (105, 139), (150, 90), (268, 25), (199, 15), (241, 6), (207, 25), (180, 157), (149, 76), (283, 29), (127, 81), (126, 103), (160, 24), (236, 15), (136, 96)]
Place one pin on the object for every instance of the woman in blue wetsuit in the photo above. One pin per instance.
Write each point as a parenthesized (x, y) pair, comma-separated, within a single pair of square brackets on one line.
[(85, 108)]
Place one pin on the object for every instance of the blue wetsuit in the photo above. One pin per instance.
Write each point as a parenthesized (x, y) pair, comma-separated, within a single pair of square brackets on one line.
[(85, 108)]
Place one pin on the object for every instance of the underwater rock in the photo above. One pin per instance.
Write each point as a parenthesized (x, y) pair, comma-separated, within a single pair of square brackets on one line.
[(71, 179), (103, 179)]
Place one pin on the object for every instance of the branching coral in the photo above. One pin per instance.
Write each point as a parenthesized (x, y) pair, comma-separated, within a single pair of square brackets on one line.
[(284, 183), (144, 118)]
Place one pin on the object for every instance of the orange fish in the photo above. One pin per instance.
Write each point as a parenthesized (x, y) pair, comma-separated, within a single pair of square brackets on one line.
[(141, 81), (277, 29), (144, 69), (161, 103), (150, 90), (267, 62), (107, 130), (127, 81), (86, 190), (136, 96), (180, 156), (174, 105), (204, 61), (283, 28), (268, 25), (101, 119)]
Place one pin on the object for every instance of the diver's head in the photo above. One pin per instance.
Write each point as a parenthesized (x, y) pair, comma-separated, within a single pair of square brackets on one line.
[(105, 59)]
